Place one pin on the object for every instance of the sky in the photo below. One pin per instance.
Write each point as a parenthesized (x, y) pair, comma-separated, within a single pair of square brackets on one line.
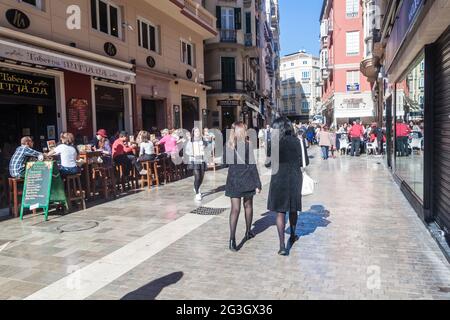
[(300, 27)]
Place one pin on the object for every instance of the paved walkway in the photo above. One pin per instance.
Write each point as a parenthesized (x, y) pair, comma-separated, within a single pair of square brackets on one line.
[(360, 239)]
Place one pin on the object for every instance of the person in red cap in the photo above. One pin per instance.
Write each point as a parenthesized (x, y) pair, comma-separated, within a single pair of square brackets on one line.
[(101, 143)]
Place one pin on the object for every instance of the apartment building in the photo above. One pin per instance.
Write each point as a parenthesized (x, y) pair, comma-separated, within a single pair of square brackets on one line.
[(234, 68), (83, 65), (300, 86), (347, 93)]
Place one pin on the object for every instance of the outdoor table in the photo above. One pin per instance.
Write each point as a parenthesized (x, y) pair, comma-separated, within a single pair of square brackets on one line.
[(89, 158)]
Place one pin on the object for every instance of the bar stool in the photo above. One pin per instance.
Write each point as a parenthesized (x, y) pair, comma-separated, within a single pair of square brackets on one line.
[(147, 179), (15, 191), (74, 190), (107, 180)]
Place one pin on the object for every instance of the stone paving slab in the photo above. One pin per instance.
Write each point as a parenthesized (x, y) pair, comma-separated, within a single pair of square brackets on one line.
[(353, 245)]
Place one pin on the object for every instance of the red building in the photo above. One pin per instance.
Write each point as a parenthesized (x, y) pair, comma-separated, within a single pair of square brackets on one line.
[(346, 92)]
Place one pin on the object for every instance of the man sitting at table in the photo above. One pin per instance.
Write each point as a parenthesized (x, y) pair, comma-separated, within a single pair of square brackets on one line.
[(122, 153), (19, 159)]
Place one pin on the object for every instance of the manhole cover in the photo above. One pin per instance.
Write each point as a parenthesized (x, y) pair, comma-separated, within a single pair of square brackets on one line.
[(204, 211), (78, 226)]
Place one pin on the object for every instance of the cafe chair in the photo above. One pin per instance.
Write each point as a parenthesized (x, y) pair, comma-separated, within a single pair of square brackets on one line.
[(15, 195), (74, 191), (152, 175), (105, 177)]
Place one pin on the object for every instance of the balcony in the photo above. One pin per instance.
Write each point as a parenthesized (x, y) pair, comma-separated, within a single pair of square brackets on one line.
[(228, 36), (191, 14), (231, 86)]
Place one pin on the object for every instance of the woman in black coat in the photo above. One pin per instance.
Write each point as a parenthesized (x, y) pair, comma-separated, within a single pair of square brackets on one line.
[(285, 193), (243, 180)]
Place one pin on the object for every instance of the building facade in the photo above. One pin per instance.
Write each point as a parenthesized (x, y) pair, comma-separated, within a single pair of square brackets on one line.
[(117, 65), (347, 94), (300, 87), (235, 70), (411, 55), (273, 16)]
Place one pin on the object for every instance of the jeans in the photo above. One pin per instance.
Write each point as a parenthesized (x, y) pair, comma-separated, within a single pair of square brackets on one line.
[(325, 151), (65, 171), (356, 146), (402, 146)]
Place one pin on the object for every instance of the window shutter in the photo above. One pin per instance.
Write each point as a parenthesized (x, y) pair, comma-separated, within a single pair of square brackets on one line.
[(219, 17), (238, 18)]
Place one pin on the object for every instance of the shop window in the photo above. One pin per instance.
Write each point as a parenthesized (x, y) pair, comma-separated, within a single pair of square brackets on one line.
[(187, 53), (409, 128), (106, 17), (148, 35), (39, 4)]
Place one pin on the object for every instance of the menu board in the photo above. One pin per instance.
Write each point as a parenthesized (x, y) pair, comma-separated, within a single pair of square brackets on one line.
[(43, 185), (78, 114)]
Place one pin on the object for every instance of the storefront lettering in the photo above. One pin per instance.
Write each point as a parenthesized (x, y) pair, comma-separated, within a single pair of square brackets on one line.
[(17, 85)]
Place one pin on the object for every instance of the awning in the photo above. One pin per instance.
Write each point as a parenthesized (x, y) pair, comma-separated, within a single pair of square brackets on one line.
[(24, 53), (252, 106)]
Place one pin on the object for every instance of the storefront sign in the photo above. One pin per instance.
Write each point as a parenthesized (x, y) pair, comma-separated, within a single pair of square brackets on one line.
[(409, 10), (78, 114), (17, 18), (11, 50), (110, 49), (353, 87), (26, 86), (110, 97), (228, 103)]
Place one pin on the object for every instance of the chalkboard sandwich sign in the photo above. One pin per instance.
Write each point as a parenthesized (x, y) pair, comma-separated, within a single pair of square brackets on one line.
[(43, 187)]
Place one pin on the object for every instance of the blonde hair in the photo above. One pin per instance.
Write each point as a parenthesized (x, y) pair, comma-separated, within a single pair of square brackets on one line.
[(67, 138), (238, 134)]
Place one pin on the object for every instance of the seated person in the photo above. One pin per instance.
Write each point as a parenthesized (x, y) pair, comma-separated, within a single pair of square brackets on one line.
[(68, 153), (147, 151), (21, 156), (169, 142), (101, 143), (122, 153)]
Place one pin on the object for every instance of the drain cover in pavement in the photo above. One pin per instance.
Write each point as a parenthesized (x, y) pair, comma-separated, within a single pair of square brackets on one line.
[(78, 226), (204, 211)]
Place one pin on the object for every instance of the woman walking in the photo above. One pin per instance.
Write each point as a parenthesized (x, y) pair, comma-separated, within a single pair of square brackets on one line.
[(325, 142), (243, 180), (286, 185), (195, 149)]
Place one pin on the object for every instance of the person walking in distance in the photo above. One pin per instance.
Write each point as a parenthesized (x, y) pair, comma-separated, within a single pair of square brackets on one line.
[(356, 133), (402, 132), (243, 180), (325, 142), (285, 194), (195, 150)]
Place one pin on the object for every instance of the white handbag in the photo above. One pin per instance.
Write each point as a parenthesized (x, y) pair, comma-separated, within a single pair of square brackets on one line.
[(308, 185)]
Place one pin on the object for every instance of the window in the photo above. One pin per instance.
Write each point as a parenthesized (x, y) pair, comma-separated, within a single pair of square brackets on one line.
[(106, 17), (353, 80), (293, 91), (248, 22), (36, 3), (353, 43), (307, 89), (293, 107), (305, 106), (292, 64), (352, 8), (227, 18), (306, 75), (187, 53), (148, 35), (305, 62)]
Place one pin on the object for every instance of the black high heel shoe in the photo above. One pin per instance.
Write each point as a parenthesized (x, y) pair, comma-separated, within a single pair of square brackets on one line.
[(233, 246), (293, 239), (249, 235), (283, 252)]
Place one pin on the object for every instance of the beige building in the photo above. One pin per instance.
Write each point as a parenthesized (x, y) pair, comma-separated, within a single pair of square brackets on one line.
[(116, 64), (233, 63), (300, 86)]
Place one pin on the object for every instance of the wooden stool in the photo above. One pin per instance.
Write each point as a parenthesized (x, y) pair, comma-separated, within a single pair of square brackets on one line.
[(74, 190), (152, 175), (15, 191), (107, 181)]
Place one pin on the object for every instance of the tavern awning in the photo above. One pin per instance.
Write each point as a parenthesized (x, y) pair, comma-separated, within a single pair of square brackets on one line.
[(29, 54)]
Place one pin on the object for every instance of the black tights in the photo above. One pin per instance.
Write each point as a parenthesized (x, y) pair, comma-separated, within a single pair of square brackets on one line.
[(199, 174), (234, 216), (281, 226)]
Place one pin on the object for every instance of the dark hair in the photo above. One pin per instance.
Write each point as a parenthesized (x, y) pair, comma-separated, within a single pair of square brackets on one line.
[(284, 125)]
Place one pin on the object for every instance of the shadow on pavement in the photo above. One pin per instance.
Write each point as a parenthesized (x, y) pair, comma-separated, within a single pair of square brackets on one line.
[(217, 190), (153, 289)]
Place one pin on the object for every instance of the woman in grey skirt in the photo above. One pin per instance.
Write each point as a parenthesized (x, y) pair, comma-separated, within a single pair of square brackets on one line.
[(243, 180)]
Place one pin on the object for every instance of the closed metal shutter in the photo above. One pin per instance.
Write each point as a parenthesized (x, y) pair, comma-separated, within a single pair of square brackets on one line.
[(441, 132)]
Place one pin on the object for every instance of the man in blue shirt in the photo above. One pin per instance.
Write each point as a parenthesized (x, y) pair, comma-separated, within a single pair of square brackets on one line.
[(21, 156)]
